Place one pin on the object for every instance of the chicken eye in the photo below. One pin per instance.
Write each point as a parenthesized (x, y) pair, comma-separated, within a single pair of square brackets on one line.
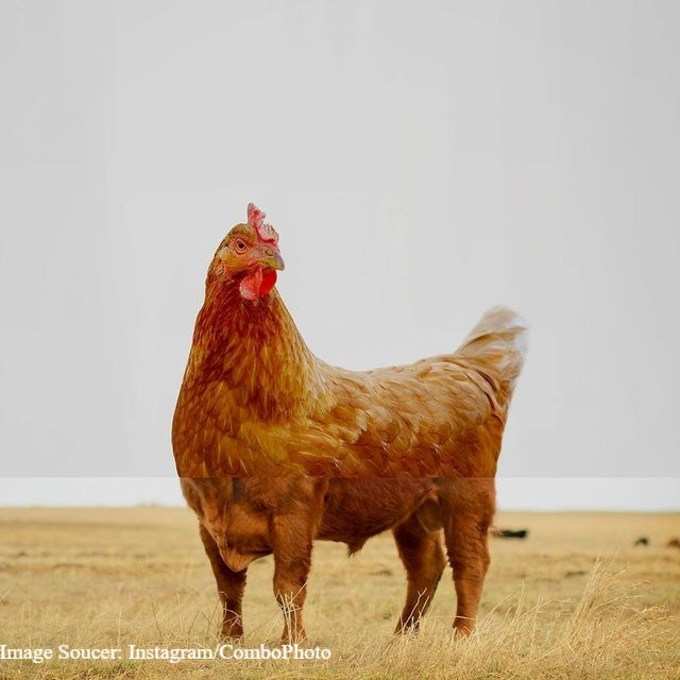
[(240, 246)]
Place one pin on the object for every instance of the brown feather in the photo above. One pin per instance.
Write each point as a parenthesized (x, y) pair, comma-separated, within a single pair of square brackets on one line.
[(256, 401)]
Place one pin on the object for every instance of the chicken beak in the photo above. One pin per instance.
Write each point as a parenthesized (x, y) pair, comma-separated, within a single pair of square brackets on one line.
[(271, 257)]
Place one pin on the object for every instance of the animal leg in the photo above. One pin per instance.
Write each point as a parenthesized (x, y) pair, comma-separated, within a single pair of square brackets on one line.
[(466, 524), (230, 587), (423, 558), (292, 542)]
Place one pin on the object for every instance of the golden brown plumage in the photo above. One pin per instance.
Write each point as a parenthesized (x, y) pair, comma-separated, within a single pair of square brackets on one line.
[(256, 401)]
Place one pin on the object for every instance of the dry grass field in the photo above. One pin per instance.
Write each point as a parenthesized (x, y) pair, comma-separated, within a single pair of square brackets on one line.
[(575, 600)]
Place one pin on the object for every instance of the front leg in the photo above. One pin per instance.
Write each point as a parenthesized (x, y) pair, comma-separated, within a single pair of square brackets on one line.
[(292, 543), (230, 587)]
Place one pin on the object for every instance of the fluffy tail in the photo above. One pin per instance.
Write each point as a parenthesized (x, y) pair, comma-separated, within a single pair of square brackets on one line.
[(497, 346)]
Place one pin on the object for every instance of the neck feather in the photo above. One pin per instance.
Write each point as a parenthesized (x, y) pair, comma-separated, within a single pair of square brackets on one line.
[(255, 350)]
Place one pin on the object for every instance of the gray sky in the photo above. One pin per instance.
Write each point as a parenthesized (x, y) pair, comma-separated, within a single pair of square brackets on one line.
[(420, 164)]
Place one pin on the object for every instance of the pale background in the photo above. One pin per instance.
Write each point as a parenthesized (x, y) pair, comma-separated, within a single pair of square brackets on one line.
[(421, 161)]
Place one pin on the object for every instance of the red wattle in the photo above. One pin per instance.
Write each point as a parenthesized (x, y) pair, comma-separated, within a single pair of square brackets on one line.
[(257, 283), (268, 281)]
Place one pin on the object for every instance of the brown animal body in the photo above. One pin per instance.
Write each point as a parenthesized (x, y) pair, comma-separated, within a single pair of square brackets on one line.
[(276, 448), (242, 519)]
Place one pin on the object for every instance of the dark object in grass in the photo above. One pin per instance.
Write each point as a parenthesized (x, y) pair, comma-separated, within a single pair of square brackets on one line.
[(643, 540), (576, 572), (510, 533)]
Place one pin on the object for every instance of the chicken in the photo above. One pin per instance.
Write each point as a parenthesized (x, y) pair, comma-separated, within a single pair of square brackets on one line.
[(277, 449), (255, 401)]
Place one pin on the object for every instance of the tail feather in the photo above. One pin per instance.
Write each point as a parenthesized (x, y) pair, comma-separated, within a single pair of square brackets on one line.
[(499, 341)]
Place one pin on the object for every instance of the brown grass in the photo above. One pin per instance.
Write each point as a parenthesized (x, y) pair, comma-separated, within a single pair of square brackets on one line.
[(575, 600)]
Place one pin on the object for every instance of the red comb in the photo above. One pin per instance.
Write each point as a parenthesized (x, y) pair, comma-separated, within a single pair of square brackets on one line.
[(256, 220)]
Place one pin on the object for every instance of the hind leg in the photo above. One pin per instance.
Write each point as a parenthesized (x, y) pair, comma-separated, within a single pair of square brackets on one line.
[(423, 558), (469, 509)]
